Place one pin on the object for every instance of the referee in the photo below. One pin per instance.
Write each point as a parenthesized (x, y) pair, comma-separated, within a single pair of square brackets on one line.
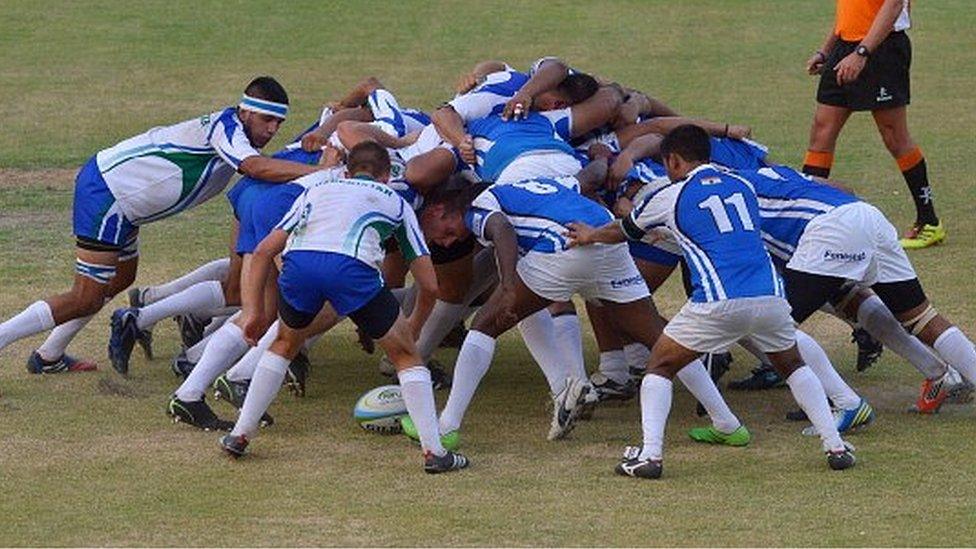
[(863, 66)]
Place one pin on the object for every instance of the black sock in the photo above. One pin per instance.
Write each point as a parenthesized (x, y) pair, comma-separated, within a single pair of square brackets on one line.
[(816, 171), (918, 183)]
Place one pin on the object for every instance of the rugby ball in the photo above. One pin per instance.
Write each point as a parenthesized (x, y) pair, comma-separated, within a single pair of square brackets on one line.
[(380, 410)]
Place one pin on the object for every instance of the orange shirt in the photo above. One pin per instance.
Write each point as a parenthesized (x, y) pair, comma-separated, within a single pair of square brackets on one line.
[(854, 18)]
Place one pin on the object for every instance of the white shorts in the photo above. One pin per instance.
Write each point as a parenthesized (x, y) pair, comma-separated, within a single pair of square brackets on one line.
[(856, 242), (540, 164), (714, 327), (600, 271), (428, 140)]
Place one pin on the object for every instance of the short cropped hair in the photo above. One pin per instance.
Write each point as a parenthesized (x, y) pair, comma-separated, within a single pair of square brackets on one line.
[(456, 194), (578, 87), (267, 88), (689, 142), (369, 157)]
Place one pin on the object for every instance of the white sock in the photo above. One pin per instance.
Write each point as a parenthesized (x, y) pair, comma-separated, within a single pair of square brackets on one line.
[(57, 341), (472, 365), (406, 297), (215, 270), (878, 321), (244, 369), (443, 318), (809, 394), (613, 364), (419, 399), (218, 320), (195, 353), (196, 298), (695, 377), (36, 318), (834, 386), (957, 350), (539, 335), (226, 346), (569, 339), (637, 355), (268, 376), (655, 403)]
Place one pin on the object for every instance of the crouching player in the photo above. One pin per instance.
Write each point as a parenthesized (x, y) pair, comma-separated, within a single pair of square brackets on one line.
[(524, 222), (736, 292), (331, 241)]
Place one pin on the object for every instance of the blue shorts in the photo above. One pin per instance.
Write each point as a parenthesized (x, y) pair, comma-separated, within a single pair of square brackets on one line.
[(258, 207), (97, 220), (308, 279), (648, 252)]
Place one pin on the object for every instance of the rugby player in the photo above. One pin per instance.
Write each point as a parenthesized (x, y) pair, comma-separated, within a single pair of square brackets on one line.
[(143, 179), (736, 292)]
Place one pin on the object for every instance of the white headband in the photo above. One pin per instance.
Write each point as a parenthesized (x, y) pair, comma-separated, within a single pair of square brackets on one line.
[(263, 106)]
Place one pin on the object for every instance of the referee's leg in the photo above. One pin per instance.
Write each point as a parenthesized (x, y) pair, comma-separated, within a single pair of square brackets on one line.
[(828, 120), (893, 126)]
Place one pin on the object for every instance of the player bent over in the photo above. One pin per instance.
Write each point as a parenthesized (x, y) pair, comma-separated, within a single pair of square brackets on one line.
[(736, 292), (837, 239), (524, 221), (141, 180), (331, 242)]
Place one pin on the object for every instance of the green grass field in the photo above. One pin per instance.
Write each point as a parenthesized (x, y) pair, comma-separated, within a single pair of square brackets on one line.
[(90, 459)]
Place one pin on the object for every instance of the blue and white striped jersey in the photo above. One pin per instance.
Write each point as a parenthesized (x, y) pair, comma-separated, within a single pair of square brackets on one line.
[(498, 142), (788, 201), (490, 96), (714, 216), (538, 209)]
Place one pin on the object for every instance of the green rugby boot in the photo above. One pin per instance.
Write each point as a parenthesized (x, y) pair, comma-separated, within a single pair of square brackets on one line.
[(450, 441), (711, 435)]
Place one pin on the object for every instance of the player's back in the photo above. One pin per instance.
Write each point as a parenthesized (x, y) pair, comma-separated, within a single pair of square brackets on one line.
[(350, 216), (540, 209), (788, 201), (716, 224), (498, 142)]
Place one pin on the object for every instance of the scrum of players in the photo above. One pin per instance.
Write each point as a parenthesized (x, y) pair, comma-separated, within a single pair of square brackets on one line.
[(524, 190)]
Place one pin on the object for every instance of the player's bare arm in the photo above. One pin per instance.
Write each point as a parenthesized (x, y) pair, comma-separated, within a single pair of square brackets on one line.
[(422, 269), (451, 127), (550, 73), (581, 234), (253, 282)]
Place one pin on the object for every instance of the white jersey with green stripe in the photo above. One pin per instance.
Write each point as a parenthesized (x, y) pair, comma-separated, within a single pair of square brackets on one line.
[(352, 217), (170, 169)]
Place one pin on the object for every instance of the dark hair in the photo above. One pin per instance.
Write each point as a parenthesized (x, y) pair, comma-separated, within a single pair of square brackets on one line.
[(689, 142), (456, 194), (266, 87), (369, 157), (578, 87)]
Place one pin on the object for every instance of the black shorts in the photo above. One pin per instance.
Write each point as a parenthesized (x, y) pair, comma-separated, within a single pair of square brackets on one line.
[(883, 84), (440, 255)]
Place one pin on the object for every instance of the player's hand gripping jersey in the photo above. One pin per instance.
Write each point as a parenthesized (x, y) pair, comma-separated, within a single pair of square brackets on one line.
[(714, 216)]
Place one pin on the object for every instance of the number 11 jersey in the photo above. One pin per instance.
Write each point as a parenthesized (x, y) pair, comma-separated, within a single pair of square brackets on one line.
[(714, 217)]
